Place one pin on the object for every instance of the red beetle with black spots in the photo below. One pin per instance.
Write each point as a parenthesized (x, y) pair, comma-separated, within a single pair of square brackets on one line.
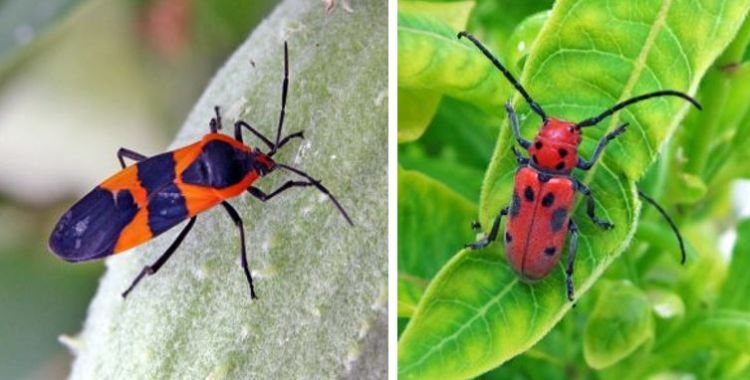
[(157, 193), (544, 191)]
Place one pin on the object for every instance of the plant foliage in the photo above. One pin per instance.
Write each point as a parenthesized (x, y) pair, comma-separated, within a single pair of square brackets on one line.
[(577, 59)]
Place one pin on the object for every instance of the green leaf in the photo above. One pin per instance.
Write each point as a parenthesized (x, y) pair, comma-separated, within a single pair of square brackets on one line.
[(410, 290), (464, 180), (321, 311), (431, 22), (620, 322), (735, 293), (433, 221), (415, 110), (476, 314), (719, 330), (453, 13), (430, 57), (523, 38)]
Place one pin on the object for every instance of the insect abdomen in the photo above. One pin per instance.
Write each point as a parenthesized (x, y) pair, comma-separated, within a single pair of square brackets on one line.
[(538, 222), (90, 229)]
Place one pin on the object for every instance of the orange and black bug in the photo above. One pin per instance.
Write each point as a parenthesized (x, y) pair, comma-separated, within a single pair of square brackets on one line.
[(157, 193)]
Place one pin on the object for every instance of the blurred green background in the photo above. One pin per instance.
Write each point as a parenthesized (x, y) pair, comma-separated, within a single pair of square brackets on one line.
[(78, 80)]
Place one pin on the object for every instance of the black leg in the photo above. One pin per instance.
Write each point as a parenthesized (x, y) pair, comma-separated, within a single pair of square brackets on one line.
[(520, 159), (258, 193), (238, 222), (123, 153), (289, 137), (586, 165), (284, 90), (516, 129), (590, 205), (493, 232), (573, 245), (215, 123), (669, 220), (153, 268), (238, 133), (238, 136)]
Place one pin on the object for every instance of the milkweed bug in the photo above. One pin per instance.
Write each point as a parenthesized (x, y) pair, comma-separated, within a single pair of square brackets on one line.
[(155, 194), (544, 191)]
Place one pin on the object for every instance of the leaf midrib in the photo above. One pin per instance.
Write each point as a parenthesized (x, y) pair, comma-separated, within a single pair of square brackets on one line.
[(638, 66)]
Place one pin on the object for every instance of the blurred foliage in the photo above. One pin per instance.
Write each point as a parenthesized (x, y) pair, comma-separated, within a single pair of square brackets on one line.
[(645, 316), (162, 50)]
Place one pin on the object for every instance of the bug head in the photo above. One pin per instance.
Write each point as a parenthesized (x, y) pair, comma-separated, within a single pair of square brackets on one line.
[(555, 147)]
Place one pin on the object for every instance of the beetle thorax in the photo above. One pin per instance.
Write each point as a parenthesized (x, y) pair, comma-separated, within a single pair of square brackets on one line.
[(555, 147)]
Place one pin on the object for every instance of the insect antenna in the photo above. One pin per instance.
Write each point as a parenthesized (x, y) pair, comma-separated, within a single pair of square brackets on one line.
[(320, 187), (596, 119), (284, 90), (534, 106), (215, 122), (669, 220)]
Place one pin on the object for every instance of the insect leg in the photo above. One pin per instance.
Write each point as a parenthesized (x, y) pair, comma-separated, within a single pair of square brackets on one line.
[(520, 159), (485, 241), (153, 268), (243, 253), (590, 205), (573, 245), (258, 193), (123, 153), (514, 124), (238, 133), (586, 165)]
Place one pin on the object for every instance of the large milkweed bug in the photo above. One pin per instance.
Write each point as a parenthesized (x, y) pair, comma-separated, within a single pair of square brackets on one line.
[(544, 191), (157, 193)]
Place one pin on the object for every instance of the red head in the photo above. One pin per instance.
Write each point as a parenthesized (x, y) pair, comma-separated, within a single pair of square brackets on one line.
[(555, 147)]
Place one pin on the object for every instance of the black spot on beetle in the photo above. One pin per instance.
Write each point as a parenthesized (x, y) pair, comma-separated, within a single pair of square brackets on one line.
[(543, 177), (515, 205), (563, 152), (538, 145), (549, 251), (548, 200), (508, 238), (533, 158), (560, 165), (528, 194), (558, 219)]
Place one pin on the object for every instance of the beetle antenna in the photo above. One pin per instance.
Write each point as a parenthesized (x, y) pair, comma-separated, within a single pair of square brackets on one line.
[(284, 89), (534, 106), (669, 220), (320, 187), (594, 120)]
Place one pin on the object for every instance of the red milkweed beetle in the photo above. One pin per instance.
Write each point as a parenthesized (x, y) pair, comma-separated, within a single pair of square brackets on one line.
[(157, 193), (544, 191)]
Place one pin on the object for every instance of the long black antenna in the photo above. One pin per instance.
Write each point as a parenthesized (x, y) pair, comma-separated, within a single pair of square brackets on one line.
[(669, 220), (594, 120), (534, 106), (320, 187), (284, 89)]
